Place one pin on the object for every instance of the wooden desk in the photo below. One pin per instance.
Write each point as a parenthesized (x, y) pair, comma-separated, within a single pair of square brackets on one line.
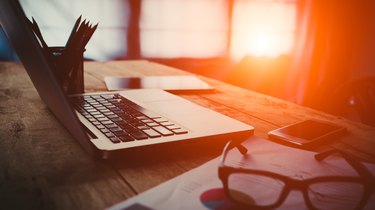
[(43, 167)]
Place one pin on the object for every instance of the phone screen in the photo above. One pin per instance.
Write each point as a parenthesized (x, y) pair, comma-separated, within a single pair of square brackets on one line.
[(307, 134), (309, 130)]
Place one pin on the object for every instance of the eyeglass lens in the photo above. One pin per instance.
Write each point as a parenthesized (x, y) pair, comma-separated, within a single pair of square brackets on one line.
[(335, 195), (260, 190)]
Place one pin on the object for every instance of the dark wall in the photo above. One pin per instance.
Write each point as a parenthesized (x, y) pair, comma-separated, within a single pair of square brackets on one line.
[(363, 63), (343, 47)]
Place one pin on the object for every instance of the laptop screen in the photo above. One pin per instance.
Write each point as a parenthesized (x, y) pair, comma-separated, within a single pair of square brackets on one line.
[(16, 27)]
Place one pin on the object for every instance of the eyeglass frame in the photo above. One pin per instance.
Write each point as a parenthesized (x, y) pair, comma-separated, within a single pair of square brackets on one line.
[(365, 177)]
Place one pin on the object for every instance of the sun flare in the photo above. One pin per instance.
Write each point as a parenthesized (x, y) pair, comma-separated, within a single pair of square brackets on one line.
[(260, 45), (263, 28)]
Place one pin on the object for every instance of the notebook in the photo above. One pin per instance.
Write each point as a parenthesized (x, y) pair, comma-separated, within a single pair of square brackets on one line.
[(108, 122)]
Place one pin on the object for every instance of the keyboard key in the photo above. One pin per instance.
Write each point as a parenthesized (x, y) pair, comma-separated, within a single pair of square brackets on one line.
[(180, 131), (109, 134), (86, 106), (108, 113), (139, 135), (100, 126), (98, 115), (151, 133), (152, 124), (99, 106), (107, 96), (112, 116), (127, 118), (106, 122), (126, 138), (112, 125), (143, 127), (136, 123), (115, 139), (96, 123), (172, 127), (120, 133), (141, 117), (100, 99), (89, 99), (115, 129), (163, 131), (86, 114), (147, 121), (102, 118), (128, 128), (118, 111), (121, 123), (166, 123), (160, 120), (91, 110), (117, 119), (104, 130)]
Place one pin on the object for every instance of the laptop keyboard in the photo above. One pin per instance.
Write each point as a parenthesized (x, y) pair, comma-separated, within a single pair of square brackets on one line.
[(121, 120)]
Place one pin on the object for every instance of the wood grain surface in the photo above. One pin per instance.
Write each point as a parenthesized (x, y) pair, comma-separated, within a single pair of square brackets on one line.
[(43, 167)]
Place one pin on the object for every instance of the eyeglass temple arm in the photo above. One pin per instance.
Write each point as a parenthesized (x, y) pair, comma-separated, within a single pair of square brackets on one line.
[(358, 166), (243, 150)]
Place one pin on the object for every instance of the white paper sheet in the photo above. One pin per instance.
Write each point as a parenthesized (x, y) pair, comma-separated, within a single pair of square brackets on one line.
[(201, 188)]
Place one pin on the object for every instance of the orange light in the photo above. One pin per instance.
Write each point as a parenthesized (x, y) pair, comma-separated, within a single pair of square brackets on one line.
[(260, 45), (263, 28)]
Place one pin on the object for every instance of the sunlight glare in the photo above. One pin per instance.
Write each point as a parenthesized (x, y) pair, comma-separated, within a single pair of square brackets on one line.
[(260, 45), (263, 28)]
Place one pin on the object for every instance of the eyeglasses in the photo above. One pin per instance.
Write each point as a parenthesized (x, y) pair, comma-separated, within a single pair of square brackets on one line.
[(264, 189)]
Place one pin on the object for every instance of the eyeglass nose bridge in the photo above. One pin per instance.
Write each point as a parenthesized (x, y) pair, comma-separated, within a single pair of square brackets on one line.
[(296, 185), (293, 186)]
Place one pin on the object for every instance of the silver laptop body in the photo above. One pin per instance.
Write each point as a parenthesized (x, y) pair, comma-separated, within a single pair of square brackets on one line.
[(196, 123)]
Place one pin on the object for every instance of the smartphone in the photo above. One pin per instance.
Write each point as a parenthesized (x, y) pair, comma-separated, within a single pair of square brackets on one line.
[(307, 134)]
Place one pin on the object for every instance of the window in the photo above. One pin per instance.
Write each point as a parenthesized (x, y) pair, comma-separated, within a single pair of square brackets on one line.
[(180, 28), (57, 17), (263, 27), (172, 28)]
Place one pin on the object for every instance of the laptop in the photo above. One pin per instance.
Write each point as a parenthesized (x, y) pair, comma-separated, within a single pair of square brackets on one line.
[(109, 122)]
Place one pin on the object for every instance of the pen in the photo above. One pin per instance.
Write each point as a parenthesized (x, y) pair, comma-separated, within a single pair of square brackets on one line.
[(72, 33), (89, 35), (36, 30), (78, 36)]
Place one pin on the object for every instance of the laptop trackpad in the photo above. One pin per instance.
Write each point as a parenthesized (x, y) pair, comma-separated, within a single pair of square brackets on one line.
[(189, 115)]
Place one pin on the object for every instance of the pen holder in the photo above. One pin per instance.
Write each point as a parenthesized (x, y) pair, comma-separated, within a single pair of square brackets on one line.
[(68, 68)]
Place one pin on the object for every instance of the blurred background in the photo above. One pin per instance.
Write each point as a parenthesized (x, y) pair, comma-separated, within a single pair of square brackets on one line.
[(314, 53)]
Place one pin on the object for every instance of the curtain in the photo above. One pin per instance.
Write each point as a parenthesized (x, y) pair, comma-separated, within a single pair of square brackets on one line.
[(334, 30)]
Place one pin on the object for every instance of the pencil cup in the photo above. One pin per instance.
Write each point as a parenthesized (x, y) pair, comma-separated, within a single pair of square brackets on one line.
[(68, 68)]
